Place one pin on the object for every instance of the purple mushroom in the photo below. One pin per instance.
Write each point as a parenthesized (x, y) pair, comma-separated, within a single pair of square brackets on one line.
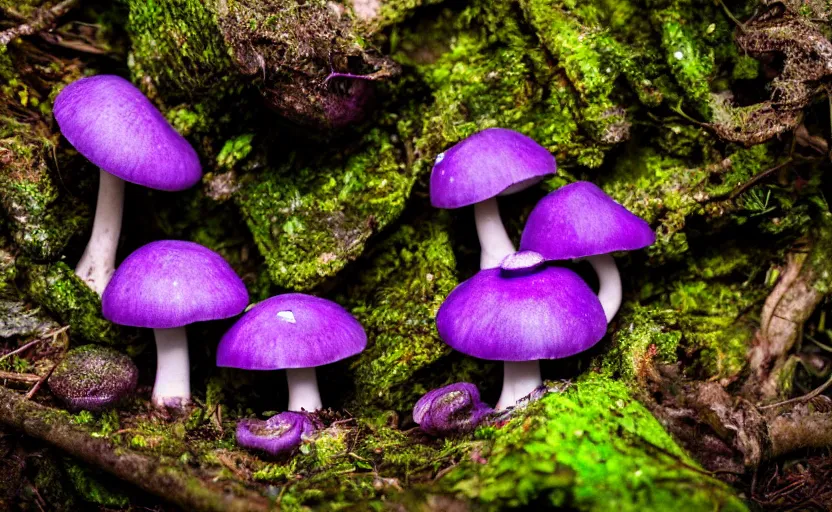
[(281, 433), (453, 409), (295, 332), (520, 318), (116, 128), (165, 286), (491, 163), (581, 221), (93, 378)]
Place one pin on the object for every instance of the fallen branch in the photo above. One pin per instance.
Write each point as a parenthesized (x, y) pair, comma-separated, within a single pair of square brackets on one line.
[(177, 484), (44, 19), (30, 378)]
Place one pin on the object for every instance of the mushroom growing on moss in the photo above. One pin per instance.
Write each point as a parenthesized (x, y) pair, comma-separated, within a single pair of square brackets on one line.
[(279, 434), (116, 128), (295, 332), (519, 315), (494, 162), (165, 286), (452, 409), (581, 221), (93, 378)]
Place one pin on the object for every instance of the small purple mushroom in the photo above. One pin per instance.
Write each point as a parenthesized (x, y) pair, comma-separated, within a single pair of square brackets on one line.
[(295, 332), (165, 286), (520, 318), (581, 221), (488, 164), (453, 409), (116, 128), (93, 378), (279, 434)]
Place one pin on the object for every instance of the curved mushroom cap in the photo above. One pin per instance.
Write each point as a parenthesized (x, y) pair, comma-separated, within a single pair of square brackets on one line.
[(281, 433), (580, 220), (171, 283), (452, 409), (548, 314), (485, 165), (293, 330), (93, 378), (116, 127)]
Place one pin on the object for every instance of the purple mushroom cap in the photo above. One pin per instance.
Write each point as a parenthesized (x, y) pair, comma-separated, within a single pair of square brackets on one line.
[(453, 409), (486, 164), (580, 220), (116, 127), (548, 314), (281, 433), (293, 330), (172, 283), (93, 378)]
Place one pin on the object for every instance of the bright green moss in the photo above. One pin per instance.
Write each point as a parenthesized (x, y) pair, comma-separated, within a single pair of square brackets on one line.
[(310, 222), (56, 287), (593, 447), (91, 488)]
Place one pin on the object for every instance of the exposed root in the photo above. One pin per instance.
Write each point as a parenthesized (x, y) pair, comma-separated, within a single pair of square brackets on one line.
[(43, 20)]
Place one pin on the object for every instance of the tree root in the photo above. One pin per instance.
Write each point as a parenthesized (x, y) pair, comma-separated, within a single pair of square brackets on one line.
[(178, 484)]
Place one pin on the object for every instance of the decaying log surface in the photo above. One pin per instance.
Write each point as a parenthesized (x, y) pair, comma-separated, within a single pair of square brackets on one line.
[(172, 482)]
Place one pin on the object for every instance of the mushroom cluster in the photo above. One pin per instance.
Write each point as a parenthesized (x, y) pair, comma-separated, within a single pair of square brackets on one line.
[(519, 308)]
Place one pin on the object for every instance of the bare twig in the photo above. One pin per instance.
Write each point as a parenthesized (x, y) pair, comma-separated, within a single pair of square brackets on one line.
[(40, 382), (19, 377), (808, 396), (53, 334), (748, 184), (44, 19)]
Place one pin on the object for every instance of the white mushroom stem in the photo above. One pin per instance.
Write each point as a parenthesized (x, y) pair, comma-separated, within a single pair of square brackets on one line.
[(173, 371), (519, 379), (303, 389), (99, 259), (494, 240), (609, 281)]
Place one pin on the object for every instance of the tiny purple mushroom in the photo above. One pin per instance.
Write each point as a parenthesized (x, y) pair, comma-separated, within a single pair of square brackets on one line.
[(295, 332), (520, 318), (116, 128), (279, 434), (581, 221), (453, 409), (93, 378), (165, 286), (488, 164)]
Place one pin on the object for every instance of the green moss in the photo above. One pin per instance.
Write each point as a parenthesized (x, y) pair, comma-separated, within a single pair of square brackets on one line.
[(51, 484), (396, 299), (91, 488), (593, 447), (177, 46), (309, 222), (56, 287)]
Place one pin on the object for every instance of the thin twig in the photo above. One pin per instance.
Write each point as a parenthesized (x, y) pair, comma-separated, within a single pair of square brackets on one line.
[(19, 377), (745, 186), (808, 396), (21, 349), (40, 382), (43, 20)]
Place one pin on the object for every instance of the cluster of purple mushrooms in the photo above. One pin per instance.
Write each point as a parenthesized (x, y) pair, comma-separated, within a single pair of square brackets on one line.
[(518, 309)]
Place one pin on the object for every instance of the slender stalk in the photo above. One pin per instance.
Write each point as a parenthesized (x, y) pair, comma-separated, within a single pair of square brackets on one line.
[(519, 379), (609, 292), (303, 389), (494, 240), (99, 259), (173, 374)]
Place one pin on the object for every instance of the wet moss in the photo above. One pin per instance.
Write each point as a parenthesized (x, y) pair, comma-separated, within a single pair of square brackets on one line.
[(88, 484)]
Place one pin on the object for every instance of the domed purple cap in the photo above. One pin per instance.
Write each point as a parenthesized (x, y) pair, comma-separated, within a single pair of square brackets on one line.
[(116, 127), (580, 220), (281, 433), (485, 165), (171, 283), (453, 409), (548, 314), (293, 330)]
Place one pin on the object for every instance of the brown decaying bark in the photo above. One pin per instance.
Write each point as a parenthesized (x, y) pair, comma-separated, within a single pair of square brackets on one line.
[(178, 484)]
